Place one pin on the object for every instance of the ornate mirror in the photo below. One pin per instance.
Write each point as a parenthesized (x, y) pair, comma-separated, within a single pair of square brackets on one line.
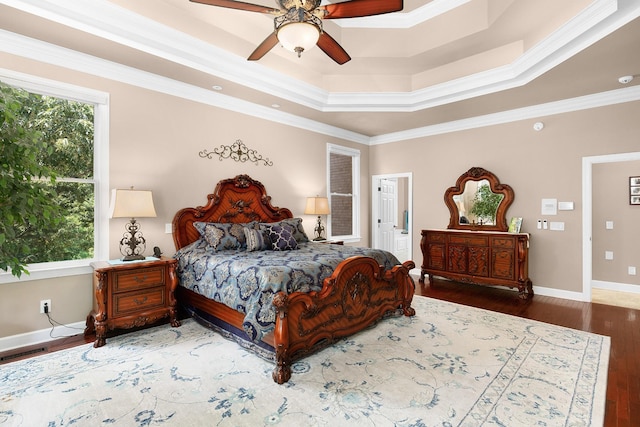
[(478, 202)]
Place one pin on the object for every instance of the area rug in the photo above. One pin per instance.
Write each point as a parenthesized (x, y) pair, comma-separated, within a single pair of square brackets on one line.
[(450, 365)]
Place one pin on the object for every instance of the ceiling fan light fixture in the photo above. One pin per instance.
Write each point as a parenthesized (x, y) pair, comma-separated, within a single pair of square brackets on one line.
[(298, 36)]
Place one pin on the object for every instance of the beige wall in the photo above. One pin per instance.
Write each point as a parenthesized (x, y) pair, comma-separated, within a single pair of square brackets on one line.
[(545, 164), (155, 140), (175, 130)]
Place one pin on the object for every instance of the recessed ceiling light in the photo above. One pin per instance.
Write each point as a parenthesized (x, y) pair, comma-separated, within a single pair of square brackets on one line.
[(625, 79), (216, 87), (275, 105)]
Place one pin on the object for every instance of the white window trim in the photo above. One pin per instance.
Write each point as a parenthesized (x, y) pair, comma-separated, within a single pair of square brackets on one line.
[(355, 185), (100, 100)]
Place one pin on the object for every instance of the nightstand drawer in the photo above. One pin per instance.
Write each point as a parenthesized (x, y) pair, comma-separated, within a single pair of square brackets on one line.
[(134, 302), (141, 278)]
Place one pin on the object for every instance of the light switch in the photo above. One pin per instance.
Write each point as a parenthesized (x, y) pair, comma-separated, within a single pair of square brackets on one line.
[(632, 271), (168, 228), (609, 225), (608, 255), (565, 206)]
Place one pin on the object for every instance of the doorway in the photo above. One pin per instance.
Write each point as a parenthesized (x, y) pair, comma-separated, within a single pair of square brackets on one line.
[(587, 214), (392, 214)]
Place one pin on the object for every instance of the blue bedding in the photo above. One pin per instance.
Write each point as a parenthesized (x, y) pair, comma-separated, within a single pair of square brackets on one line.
[(246, 281)]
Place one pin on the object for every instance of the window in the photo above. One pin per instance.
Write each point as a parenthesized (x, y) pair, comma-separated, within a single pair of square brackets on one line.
[(344, 192), (72, 122)]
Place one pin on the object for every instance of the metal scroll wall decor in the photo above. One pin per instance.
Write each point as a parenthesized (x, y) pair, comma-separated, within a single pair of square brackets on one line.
[(238, 151)]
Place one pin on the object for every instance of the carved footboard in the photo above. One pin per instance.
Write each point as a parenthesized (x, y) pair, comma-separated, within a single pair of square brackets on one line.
[(357, 294)]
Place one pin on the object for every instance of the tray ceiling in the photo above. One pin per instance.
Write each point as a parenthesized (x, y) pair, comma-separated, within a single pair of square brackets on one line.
[(435, 62)]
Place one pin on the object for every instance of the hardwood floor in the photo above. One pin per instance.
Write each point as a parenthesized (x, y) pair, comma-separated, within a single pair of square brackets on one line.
[(621, 324)]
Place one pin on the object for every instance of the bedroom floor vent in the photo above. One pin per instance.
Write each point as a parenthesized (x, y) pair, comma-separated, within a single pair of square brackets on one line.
[(13, 356)]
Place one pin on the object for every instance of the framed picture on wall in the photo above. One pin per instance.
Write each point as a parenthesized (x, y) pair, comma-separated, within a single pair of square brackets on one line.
[(634, 190)]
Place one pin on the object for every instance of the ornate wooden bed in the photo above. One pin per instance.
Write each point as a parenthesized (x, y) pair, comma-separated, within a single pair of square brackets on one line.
[(357, 294)]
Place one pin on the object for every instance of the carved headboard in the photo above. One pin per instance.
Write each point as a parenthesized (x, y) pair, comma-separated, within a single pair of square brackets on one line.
[(237, 200)]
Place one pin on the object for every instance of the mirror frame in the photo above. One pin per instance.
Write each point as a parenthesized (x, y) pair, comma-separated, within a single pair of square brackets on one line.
[(478, 174)]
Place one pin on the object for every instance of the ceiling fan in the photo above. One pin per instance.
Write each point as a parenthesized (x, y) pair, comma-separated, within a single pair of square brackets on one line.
[(298, 23)]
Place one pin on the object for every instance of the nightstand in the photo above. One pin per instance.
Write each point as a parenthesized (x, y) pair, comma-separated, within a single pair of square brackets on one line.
[(132, 294)]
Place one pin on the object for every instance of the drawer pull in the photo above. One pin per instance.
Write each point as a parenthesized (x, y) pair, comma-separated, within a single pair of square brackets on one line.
[(140, 280), (140, 302)]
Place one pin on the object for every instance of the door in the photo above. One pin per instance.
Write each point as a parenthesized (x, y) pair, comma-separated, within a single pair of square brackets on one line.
[(388, 191), (394, 210)]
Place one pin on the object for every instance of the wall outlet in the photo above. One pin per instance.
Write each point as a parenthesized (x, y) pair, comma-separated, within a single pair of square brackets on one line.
[(42, 303), (608, 255), (632, 271)]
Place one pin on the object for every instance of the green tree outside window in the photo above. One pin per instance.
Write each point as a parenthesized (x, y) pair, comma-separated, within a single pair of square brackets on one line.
[(46, 179)]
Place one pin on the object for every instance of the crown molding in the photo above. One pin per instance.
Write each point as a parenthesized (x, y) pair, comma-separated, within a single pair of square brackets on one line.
[(104, 19), (48, 53), (38, 50), (618, 96)]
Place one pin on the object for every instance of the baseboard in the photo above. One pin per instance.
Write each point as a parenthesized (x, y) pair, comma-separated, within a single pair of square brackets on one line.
[(559, 293), (42, 336), (537, 290), (614, 286)]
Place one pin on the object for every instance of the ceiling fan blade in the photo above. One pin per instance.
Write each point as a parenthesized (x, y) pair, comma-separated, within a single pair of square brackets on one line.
[(264, 47), (333, 49), (360, 8), (232, 4)]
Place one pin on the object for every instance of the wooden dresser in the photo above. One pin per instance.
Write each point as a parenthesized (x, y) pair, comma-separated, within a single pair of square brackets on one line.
[(481, 257), (132, 294)]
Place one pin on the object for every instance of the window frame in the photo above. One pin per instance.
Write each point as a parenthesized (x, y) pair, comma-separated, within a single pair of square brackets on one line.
[(355, 188), (100, 101)]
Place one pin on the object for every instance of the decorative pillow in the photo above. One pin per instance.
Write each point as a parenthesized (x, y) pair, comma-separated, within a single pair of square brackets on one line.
[(281, 237), (256, 240), (298, 230), (222, 235)]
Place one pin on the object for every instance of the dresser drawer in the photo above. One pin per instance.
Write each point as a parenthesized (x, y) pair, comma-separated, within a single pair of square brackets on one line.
[(139, 301), (435, 237), (469, 240), (142, 278), (503, 242)]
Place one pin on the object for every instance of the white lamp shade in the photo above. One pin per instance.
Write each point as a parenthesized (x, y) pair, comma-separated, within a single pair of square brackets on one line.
[(317, 206), (131, 204), (298, 35)]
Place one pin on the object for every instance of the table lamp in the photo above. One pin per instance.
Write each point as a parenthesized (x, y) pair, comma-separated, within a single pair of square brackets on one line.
[(318, 206), (132, 204)]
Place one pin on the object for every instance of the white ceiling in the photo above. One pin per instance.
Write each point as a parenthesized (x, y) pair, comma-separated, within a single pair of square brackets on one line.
[(435, 62)]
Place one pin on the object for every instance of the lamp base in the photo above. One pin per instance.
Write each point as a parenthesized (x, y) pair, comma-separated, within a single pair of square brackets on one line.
[(133, 258), (132, 244), (319, 230)]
